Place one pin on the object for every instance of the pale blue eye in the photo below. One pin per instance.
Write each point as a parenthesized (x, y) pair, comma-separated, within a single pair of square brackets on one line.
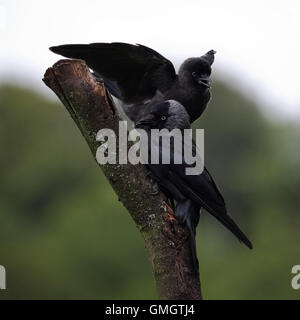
[(163, 118)]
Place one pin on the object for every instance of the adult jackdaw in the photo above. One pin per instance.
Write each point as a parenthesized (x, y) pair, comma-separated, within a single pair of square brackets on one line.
[(191, 192)]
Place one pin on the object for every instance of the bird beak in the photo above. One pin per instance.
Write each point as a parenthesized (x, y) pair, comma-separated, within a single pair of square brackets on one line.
[(147, 120), (205, 81)]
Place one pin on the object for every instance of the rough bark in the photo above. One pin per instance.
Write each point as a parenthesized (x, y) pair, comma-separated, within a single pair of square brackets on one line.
[(92, 109)]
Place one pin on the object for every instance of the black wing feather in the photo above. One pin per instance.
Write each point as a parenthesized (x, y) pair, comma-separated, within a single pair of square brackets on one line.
[(138, 70), (201, 189)]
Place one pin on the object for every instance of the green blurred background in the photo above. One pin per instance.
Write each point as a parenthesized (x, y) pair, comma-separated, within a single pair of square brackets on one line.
[(65, 235)]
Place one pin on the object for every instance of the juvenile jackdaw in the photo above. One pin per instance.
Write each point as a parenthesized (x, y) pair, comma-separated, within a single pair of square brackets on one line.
[(140, 77)]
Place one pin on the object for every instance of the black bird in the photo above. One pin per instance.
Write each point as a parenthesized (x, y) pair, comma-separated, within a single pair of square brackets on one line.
[(140, 77), (191, 192)]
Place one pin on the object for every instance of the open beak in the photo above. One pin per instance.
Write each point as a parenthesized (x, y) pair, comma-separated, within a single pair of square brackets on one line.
[(145, 121), (205, 81)]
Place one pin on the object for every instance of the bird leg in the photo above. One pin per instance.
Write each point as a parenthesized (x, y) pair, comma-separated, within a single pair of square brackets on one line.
[(155, 189)]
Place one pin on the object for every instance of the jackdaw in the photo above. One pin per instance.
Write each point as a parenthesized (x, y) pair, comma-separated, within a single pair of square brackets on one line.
[(191, 192), (140, 77)]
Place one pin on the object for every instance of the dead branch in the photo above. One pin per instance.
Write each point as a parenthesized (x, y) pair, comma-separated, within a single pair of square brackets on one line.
[(92, 109)]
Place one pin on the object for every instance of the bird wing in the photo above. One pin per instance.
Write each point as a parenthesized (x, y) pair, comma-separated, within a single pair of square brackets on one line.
[(203, 190), (137, 70)]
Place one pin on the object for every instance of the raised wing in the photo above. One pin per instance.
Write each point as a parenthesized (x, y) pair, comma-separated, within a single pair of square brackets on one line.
[(137, 70)]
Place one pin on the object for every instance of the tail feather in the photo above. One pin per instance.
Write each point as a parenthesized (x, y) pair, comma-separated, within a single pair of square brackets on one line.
[(187, 213), (192, 242), (229, 223)]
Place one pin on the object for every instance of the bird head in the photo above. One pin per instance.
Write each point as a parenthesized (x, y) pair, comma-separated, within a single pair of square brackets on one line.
[(169, 114), (196, 71)]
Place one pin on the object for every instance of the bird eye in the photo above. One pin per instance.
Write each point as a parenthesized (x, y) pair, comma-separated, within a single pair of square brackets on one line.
[(163, 118), (194, 74)]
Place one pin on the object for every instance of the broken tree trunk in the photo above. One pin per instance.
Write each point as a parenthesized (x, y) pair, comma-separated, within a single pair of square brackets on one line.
[(92, 109)]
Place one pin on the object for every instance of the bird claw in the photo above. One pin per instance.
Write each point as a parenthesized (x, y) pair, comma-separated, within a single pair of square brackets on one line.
[(155, 189)]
